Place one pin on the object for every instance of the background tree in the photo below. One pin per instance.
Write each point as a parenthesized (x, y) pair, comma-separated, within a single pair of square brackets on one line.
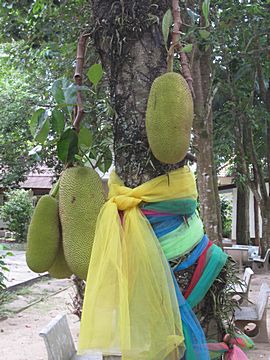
[(17, 211), (35, 50), (243, 75)]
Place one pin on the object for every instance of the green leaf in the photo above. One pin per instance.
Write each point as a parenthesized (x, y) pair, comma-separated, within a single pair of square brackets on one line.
[(57, 91), (205, 10), (65, 94), (39, 125), (106, 161), (204, 34), (95, 74), (58, 121), (85, 137), (67, 146), (70, 94), (166, 25), (34, 120), (187, 48), (9, 253)]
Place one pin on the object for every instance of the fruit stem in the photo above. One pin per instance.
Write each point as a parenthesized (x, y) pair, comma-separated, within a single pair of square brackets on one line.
[(55, 190), (170, 59)]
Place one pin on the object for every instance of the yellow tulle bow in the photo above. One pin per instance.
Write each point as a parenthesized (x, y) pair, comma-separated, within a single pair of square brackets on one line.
[(130, 304)]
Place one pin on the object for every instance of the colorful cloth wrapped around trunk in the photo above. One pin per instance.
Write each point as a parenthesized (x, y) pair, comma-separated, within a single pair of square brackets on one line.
[(211, 260), (132, 303)]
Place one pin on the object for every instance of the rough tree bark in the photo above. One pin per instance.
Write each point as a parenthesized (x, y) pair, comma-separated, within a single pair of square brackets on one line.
[(203, 144), (202, 74), (242, 217), (128, 38)]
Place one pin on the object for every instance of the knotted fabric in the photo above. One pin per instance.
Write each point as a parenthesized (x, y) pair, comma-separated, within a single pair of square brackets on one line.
[(231, 347), (130, 304)]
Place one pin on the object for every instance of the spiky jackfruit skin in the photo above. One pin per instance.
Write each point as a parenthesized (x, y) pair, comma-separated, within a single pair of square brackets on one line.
[(59, 268), (43, 235), (169, 117), (81, 197)]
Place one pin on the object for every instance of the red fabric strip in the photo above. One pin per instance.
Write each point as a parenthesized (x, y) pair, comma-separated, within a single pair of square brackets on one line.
[(198, 271)]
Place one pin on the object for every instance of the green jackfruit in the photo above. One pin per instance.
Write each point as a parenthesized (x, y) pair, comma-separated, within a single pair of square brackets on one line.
[(60, 269), (169, 117), (43, 235), (81, 197)]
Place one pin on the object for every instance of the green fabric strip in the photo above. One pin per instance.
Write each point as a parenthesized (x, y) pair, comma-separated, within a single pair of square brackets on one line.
[(216, 260), (175, 206), (183, 239)]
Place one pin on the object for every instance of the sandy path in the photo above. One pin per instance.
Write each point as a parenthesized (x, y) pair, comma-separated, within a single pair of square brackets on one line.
[(19, 339)]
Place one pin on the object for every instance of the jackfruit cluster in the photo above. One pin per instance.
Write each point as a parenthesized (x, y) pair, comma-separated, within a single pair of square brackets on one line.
[(43, 235), (61, 232), (169, 117), (81, 197), (59, 268)]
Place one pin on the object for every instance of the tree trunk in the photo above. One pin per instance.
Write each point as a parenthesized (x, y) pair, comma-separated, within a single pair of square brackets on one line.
[(203, 145), (265, 240), (242, 216), (133, 54), (256, 223)]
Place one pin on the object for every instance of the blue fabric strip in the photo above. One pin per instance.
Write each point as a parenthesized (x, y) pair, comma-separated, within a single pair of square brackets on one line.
[(164, 224), (194, 255), (195, 341)]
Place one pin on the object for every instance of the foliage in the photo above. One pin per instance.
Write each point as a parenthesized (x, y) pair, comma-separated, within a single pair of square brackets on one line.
[(3, 267), (53, 126), (240, 46), (16, 101), (226, 216), (35, 49), (218, 305), (16, 212)]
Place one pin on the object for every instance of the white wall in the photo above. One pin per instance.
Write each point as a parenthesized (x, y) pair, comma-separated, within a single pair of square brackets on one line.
[(231, 195)]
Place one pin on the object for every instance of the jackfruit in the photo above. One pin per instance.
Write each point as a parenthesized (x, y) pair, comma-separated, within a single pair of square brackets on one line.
[(59, 268), (81, 197), (43, 235), (169, 117)]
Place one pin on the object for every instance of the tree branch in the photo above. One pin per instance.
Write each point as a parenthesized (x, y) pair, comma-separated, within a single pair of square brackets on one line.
[(78, 76), (261, 80), (176, 44), (243, 165)]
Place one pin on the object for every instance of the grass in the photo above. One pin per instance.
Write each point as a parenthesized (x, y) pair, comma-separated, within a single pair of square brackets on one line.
[(12, 245), (5, 298)]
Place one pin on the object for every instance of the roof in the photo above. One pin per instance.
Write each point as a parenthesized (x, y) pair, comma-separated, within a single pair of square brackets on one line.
[(38, 180)]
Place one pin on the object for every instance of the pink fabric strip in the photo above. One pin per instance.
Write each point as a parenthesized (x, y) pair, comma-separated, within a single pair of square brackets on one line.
[(235, 353), (156, 213)]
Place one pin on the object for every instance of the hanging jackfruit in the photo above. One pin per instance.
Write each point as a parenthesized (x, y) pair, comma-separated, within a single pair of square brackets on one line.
[(59, 268), (169, 117), (43, 235), (81, 197)]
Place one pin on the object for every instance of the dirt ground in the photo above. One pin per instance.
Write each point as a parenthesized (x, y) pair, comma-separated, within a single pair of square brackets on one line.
[(32, 308), (19, 329)]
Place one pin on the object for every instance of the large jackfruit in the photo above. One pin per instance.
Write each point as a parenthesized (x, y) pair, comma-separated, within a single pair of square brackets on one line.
[(81, 196), (59, 268), (169, 117), (43, 235)]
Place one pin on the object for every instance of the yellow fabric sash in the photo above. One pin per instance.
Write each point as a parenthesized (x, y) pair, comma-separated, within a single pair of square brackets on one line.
[(130, 304)]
